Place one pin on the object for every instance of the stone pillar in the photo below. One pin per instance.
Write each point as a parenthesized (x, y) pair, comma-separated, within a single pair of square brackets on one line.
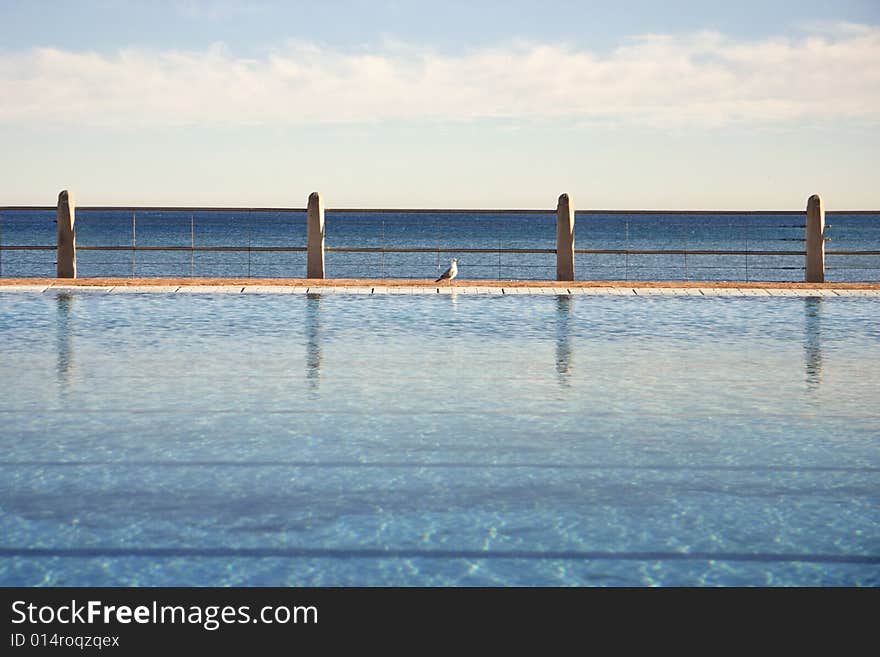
[(815, 270), (564, 239), (66, 236), (315, 237)]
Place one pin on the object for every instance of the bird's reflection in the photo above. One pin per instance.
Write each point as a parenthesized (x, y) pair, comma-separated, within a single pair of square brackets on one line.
[(313, 340), (563, 338), (813, 341), (64, 341)]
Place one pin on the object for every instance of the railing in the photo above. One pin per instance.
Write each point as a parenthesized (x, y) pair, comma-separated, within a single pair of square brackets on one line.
[(297, 245)]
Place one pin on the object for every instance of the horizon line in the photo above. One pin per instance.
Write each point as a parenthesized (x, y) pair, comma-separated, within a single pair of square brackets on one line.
[(411, 210)]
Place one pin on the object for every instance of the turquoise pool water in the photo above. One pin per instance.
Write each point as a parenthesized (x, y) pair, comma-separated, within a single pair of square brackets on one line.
[(153, 439)]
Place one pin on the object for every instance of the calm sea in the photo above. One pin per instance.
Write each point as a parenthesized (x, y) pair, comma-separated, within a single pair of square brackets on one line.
[(441, 236)]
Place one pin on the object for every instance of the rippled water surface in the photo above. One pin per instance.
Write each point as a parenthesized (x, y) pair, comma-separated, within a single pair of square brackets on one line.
[(153, 439)]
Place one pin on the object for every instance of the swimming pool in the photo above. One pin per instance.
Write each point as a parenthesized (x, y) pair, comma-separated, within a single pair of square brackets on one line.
[(215, 439)]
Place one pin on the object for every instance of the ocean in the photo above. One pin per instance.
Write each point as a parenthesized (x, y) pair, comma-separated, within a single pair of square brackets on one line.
[(624, 246)]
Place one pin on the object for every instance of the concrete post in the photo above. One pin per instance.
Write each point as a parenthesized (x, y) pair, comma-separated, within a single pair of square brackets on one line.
[(315, 237), (815, 240), (66, 236), (564, 239)]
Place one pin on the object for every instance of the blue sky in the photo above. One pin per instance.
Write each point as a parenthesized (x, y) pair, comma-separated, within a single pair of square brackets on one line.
[(249, 27), (480, 104)]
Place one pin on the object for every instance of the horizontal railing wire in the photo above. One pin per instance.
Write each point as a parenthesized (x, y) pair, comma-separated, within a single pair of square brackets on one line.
[(358, 249)]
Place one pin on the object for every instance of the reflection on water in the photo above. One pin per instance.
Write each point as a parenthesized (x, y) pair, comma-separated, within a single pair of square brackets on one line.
[(563, 338), (313, 340), (64, 307), (484, 419), (813, 341)]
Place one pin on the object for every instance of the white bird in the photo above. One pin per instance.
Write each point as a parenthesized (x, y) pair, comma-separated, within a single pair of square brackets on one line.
[(450, 273)]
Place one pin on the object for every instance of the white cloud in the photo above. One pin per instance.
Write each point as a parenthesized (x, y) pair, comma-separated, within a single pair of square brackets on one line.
[(704, 78)]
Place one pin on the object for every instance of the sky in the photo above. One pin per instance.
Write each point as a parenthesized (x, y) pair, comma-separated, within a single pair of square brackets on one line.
[(630, 104)]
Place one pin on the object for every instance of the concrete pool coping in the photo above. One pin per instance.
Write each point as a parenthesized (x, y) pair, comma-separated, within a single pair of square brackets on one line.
[(402, 286)]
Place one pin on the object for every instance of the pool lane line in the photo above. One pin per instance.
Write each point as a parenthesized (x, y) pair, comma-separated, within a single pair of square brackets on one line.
[(658, 467), (415, 553)]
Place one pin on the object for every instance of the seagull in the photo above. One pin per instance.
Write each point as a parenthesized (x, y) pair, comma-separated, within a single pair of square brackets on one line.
[(450, 273)]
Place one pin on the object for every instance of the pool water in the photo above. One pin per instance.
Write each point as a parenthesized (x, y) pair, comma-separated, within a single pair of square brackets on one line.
[(218, 439)]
